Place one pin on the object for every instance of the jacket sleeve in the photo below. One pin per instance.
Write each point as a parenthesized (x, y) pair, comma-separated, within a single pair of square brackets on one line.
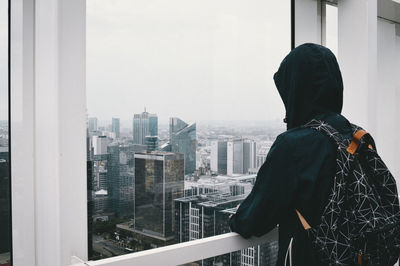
[(288, 168)]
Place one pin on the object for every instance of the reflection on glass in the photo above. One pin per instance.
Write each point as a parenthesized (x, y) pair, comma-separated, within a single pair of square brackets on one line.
[(182, 111), (5, 182)]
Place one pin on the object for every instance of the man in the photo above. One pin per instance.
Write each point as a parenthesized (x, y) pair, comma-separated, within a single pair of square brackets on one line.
[(299, 169)]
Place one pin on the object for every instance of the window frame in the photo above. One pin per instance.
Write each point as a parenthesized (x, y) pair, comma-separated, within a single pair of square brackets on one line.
[(47, 116)]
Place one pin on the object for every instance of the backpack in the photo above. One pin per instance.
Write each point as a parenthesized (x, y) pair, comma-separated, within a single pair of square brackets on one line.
[(360, 225)]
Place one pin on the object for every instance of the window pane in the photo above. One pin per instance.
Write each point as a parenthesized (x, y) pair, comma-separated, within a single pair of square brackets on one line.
[(182, 110), (5, 194)]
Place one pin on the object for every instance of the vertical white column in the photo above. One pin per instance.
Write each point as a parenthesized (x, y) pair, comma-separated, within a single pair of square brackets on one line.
[(357, 37), (22, 132), (72, 129), (60, 154), (308, 22)]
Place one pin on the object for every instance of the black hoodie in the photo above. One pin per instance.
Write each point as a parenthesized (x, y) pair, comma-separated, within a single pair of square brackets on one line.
[(300, 166)]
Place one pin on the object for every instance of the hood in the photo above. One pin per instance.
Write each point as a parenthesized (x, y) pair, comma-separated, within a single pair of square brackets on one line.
[(310, 83)]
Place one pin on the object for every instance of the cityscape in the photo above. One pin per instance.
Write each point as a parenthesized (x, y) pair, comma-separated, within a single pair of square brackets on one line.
[(152, 184)]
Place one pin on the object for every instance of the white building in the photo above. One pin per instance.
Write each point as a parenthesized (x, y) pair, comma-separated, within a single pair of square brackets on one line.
[(100, 144)]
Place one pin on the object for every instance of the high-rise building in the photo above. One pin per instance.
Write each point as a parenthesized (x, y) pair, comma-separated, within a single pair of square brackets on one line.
[(144, 124), (159, 180), (92, 124), (100, 144), (218, 161), (249, 155), (234, 162), (115, 127), (152, 143), (183, 140), (113, 178)]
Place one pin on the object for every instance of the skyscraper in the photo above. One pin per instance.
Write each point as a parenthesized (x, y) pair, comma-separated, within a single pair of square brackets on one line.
[(159, 180), (219, 156), (249, 155), (235, 157), (115, 127), (144, 124), (183, 140), (92, 124)]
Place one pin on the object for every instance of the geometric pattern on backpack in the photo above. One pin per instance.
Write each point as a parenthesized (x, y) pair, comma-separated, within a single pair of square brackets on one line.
[(361, 222)]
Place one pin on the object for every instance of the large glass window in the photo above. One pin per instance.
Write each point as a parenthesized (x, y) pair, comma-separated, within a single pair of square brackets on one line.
[(182, 110), (5, 196)]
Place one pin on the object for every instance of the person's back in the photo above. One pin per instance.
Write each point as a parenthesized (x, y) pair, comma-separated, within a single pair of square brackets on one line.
[(300, 167)]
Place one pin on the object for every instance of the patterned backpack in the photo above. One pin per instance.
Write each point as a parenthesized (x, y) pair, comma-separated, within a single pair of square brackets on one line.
[(360, 225)]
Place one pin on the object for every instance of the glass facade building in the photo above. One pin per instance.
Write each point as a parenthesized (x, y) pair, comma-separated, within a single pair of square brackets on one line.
[(144, 124), (183, 140), (115, 127), (159, 180)]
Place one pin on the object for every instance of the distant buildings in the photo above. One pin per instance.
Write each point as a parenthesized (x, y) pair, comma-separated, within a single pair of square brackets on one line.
[(206, 214), (100, 144), (159, 180), (115, 127), (218, 161), (92, 124), (144, 124), (182, 139), (261, 156), (233, 156)]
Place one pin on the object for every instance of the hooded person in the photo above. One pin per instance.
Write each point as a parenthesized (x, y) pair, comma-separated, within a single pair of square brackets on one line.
[(300, 166)]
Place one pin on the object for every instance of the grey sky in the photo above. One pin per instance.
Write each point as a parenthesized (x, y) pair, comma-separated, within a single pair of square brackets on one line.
[(198, 60)]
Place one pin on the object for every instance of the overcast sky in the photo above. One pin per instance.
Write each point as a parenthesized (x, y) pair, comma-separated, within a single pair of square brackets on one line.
[(198, 60)]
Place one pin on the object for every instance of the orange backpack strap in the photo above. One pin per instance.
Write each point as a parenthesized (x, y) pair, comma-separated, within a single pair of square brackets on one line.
[(356, 141), (303, 221)]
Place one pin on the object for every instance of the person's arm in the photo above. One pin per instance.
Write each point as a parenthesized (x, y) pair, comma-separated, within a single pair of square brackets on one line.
[(271, 196), (286, 181)]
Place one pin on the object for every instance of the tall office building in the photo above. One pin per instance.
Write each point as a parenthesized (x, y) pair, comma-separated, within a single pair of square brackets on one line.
[(144, 124), (100, 144), (159, 180), (218, 159), (182, 138), (113, 178), (92, 124), (115, 127), (234, 162), (249, 155)]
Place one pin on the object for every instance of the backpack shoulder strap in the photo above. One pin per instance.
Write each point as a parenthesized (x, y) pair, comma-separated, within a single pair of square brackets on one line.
[(328, 130)]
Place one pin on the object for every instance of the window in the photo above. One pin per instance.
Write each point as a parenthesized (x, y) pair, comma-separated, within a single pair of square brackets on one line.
[(182, 109), (5, 180)]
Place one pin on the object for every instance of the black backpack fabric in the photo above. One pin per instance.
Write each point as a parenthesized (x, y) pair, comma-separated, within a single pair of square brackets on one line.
[(361, 222)]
